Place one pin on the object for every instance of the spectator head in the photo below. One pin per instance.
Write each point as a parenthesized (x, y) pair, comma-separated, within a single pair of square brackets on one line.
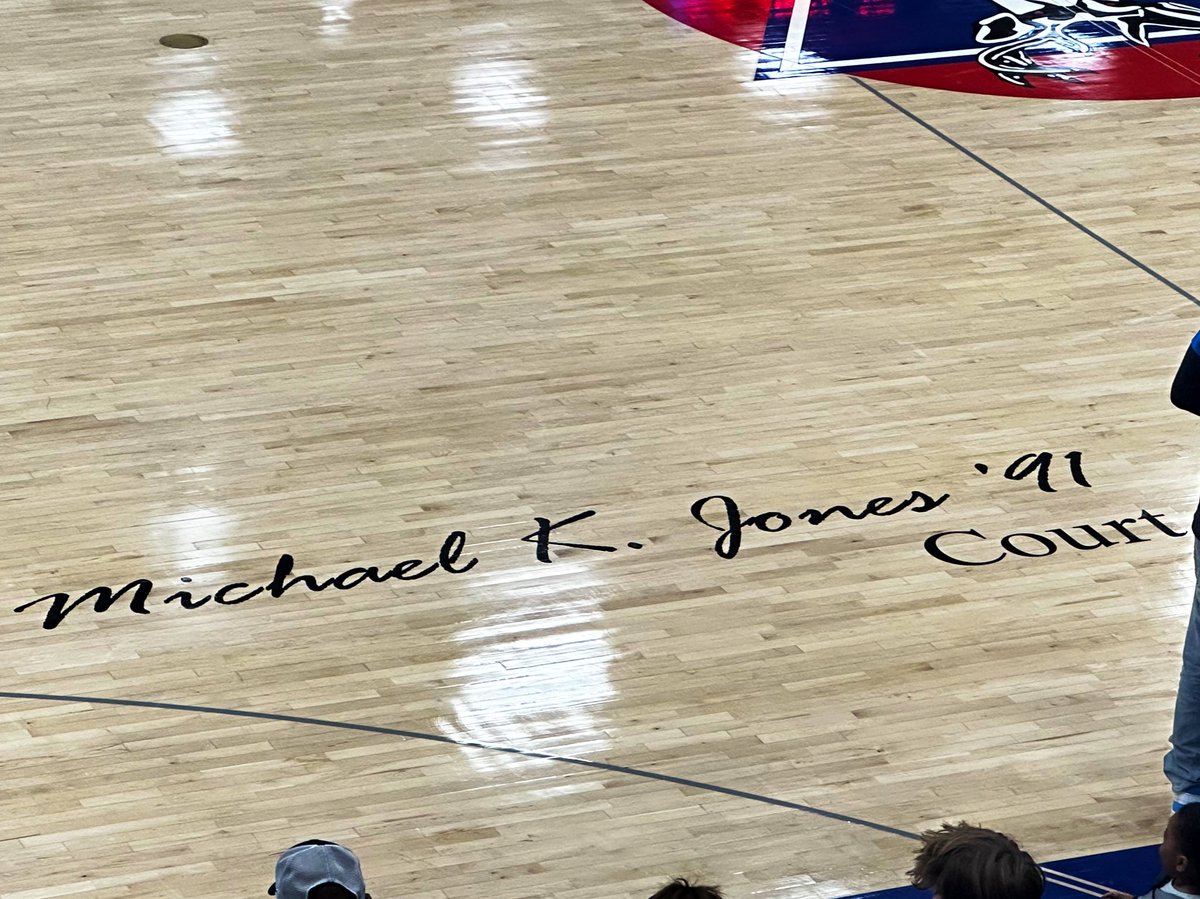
[(318, 869), (958, 861), (679, 888), (1180, 852)]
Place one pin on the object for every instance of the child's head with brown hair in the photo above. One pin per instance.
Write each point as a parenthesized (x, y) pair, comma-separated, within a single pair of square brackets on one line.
[(680, 888), (959, 861)]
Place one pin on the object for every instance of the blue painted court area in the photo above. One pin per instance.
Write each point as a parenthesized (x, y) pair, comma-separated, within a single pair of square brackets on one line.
[(840, 30), (1128, 870), (1022, 43)]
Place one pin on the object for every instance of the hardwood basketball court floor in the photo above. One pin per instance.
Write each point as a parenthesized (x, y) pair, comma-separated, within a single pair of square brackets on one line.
[(362, 283)]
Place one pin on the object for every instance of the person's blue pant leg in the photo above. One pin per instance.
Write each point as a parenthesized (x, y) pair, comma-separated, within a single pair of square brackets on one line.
[(1182, 762)]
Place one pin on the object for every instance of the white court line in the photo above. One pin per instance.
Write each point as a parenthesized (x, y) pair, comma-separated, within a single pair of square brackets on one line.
[(791, 54), (873, 60), (1075, 877), (1049, 875), (797, 25)]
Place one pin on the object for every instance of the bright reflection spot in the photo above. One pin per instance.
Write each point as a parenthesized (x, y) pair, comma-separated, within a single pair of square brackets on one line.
[(335, 18), (535, 676), (194, 123), (188, 532), (497, 94), (804, 100)]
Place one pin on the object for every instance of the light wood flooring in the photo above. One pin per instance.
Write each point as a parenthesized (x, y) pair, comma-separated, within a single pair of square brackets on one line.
[(361, 274)]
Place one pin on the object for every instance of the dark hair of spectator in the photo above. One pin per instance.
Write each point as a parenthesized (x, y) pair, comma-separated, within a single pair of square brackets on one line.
[(1187, 834), (960, 861), (680, 888)]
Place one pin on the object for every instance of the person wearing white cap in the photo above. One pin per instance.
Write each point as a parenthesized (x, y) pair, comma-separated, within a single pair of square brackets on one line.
[(318, 869)]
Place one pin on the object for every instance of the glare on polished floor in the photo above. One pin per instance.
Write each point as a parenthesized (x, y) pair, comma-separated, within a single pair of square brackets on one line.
[(358, 276)]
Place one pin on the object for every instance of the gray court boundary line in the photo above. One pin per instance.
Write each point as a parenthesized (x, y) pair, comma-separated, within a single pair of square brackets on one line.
[(1074, 222), (469, 744), (1037, 198), (1051, 875)]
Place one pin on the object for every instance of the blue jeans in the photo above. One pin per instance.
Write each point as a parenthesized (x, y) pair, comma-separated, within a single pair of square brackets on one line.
[(1182, 763)]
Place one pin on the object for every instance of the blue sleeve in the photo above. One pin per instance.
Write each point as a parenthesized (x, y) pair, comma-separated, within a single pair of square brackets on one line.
[(1185, 389)]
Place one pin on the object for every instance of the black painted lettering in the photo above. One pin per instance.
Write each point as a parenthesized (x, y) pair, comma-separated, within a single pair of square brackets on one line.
[(1100, 539), (928, 503), (401, 570), (62, 605), (187, 601), (542, 536), (278, 586), (451, 549), (1165, 528), (1119, 527), (1039, 462), (817, 516), (762, 522), (1044, 542), (57, 606), (730, 541), (219, 596), (1075, 457), (876, 507), (344, 581), (934, 549)]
